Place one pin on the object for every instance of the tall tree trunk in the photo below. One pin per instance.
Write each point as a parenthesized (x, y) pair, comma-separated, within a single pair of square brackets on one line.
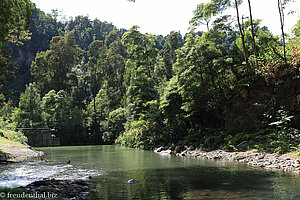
[(253, 36), (282, 30), (242, 36)]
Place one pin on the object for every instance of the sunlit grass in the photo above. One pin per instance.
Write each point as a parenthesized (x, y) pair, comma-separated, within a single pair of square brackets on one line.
[(8, 143)]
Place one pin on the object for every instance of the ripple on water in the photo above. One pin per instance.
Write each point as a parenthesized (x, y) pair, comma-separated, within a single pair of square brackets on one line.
[(22, 174)]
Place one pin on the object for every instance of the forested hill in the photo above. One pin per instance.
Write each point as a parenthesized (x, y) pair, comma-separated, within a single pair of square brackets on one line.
[(43, 28), (234, 86)]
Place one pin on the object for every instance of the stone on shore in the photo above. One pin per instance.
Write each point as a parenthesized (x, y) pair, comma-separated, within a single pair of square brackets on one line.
[(254, 158)]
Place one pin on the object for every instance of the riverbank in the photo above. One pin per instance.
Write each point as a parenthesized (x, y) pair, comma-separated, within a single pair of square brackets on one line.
[(270, 161), (11, 151)]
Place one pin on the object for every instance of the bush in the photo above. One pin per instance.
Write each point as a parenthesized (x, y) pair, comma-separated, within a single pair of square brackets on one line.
[(140, 134), (14, 136), (5, 131), (18, 137), (136, 138)]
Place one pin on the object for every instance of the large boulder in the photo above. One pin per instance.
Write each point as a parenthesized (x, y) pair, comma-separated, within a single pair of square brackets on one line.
[(178, 149)]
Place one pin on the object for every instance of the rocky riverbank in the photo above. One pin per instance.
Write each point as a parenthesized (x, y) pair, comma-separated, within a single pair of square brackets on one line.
[(65, 189), (11, 151), (286, 162)]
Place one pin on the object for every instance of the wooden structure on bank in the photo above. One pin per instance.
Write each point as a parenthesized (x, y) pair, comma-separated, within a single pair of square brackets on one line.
[(40, 137)]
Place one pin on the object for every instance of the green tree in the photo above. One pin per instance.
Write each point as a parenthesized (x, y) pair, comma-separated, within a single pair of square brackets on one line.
[(94, 76), (43, 27), (83, 32), (29, 113), (53, 69), (6, 67), (139, 80), (173, 42), (99, 110), (49, 103), (111, 37), (15, 18), (204, 12), (113, 74), (194, 97), (64, 112), (116, 121)]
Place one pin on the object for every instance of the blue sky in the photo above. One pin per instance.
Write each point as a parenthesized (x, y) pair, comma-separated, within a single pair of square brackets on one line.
[(161, 16)]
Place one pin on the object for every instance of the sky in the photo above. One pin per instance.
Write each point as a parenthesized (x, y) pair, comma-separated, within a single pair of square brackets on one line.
[(160, 17)]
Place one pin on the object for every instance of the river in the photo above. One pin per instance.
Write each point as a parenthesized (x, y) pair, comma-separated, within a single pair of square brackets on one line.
[(159, 177)]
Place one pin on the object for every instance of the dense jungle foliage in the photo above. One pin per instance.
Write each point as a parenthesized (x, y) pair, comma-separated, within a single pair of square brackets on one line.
[(235, 86)]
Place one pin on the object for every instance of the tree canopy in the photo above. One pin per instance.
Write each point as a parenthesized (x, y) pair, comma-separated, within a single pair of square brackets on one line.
[(232, 86)]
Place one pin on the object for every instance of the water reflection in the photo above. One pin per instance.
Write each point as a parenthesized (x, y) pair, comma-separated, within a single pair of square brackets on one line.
[(159, 177), (195, 183)]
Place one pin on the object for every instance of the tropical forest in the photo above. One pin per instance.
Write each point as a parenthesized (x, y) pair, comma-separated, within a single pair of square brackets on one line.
[(228, 89)]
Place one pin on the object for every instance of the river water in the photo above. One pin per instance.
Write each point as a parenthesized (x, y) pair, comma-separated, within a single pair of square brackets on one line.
[(159, 177)]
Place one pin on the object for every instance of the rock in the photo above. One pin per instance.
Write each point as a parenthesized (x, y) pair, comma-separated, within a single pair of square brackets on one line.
[(165, 152), (296, 165), (217, 157), (87, 177), (159, 149), (169, 146), (178, 149), (182, 154), (70, 189), (267, 163), (261, 157), (132, 181), (264, 160), (191, 148)]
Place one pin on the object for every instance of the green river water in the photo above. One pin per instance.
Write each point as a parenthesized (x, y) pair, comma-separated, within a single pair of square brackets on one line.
[(159, 177)]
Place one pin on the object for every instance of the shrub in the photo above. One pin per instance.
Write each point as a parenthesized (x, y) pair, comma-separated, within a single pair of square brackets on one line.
[(18, 137), (141, 135), (136, 138), (14, 136)]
